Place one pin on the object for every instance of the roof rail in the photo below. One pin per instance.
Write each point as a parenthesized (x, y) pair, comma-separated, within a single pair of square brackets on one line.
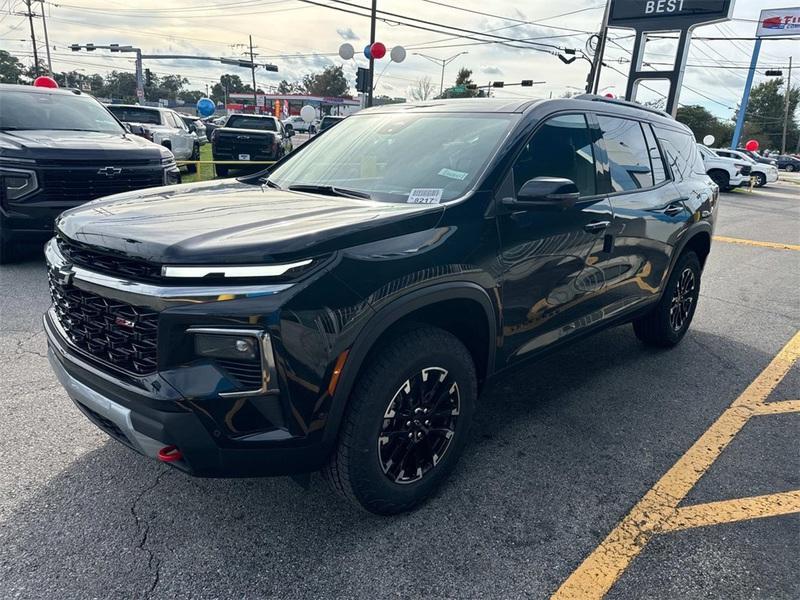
[(596, 98)]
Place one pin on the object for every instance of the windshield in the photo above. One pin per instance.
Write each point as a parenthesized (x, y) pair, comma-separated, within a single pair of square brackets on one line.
[(402, 157), (135, 114), (244, 122), (28, 110)]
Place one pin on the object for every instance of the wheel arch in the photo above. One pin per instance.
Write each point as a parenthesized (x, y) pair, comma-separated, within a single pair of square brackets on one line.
[(421, 307)]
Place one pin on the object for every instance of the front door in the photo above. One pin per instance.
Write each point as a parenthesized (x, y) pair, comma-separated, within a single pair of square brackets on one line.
[(551, 259)]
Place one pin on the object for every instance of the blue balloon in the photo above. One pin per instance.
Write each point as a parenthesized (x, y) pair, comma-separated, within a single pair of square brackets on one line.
[(368, 51), (205, 107)]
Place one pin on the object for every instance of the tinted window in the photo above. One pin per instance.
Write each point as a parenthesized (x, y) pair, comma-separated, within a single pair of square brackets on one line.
[(31, 110), (681, 150), (627, 154), (561, 147), (656, 160), (135, 114), (246, 122)]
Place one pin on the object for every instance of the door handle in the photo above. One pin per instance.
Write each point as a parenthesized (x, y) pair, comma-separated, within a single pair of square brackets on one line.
[(596, 226), (673, 209)]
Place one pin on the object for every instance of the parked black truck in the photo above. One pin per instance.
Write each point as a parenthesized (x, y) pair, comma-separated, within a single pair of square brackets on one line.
[(343, 309), (60, 148), (249, 138)]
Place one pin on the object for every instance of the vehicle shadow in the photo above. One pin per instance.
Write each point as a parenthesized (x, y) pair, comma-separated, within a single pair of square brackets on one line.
[(561, 450)]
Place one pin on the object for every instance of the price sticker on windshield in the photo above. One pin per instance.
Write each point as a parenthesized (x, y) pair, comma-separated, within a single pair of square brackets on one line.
[(425, 196)]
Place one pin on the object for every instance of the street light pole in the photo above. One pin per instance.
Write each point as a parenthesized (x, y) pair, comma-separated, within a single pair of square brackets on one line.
[(253, 71), (46, 39), (787, 93), (373, 22), (440, 61)]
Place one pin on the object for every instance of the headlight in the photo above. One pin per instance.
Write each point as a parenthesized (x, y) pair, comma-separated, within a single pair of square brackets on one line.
[(18, 183)]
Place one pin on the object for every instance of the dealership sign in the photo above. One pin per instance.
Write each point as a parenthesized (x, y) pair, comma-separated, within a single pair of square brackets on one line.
[(663, 15), (779, 21)]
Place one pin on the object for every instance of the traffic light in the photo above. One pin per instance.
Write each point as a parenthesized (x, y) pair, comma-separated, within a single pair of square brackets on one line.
[(148, 77), (362, 80), (271, 68), (89, 47), (527, 83), (498, 84), (773, 73), (75, 47)]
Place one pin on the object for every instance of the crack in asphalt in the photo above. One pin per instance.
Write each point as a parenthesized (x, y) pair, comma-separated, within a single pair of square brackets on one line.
[(143, 530)]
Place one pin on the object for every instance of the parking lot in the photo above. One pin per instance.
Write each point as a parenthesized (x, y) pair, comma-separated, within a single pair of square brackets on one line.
[(584, 476)]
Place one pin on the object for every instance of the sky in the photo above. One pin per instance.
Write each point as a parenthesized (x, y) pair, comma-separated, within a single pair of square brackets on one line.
[(301, 37)]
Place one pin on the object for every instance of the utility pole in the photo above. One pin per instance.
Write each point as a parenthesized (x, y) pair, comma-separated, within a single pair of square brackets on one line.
[(593, 80), (253, 71), (373, 20), (46, 39), (33, 38), (787, 93)]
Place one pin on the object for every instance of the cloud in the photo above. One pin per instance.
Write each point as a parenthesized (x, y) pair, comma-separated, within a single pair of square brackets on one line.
[(347, 34), (491, 70)]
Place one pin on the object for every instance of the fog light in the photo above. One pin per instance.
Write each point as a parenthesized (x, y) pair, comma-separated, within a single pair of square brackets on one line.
[(231, 347)]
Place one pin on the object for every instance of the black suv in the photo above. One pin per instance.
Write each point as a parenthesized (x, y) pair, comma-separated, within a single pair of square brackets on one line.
[(343, 309), (60, 148)]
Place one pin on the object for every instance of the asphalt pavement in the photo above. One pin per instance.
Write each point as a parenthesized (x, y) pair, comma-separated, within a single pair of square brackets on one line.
[(563, 452)]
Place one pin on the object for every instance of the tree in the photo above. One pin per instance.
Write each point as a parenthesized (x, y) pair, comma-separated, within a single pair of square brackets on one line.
[(422, 89), (703, 123), (765, 112), (119, 84), (228, 84), (10, 68), (287, 88), (191, 96), (331, 82), (462, 87)]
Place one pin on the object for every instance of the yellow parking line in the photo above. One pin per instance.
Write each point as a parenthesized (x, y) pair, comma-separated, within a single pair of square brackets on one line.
[(601, 569), (777, 408), (731, 511), (773, 245)]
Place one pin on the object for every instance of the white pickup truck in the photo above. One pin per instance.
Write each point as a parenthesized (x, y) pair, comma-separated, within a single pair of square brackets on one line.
[(727, 173)]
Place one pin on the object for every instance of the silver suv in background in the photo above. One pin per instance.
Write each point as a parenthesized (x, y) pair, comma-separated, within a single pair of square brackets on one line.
[(162, 126)]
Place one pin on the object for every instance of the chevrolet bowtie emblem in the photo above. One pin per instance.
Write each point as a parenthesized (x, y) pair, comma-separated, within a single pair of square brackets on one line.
[(109, 171)]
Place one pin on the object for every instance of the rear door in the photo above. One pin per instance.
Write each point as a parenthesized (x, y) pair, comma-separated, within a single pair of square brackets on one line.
[(649, 211), (549, 257)]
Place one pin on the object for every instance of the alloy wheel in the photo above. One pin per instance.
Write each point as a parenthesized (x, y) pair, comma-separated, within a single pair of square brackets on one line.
[(418, 425), (682, 299)]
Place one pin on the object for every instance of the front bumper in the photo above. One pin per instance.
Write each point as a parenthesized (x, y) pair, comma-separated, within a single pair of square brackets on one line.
[(135, 420)]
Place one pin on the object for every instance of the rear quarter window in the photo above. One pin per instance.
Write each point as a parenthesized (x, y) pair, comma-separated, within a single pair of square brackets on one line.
[(683, 156)]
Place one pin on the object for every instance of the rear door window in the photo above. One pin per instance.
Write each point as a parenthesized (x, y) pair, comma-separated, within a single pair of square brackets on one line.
[(628, 154), (681, 151), (561, 147)]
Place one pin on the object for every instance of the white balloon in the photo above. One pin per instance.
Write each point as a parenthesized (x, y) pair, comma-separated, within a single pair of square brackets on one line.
[(708, 140), (398, 54), (346, 51), (308, 113)]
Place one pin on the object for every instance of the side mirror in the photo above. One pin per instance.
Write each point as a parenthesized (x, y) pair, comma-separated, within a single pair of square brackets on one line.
[(290, 132), (127, 127), (544, 192)]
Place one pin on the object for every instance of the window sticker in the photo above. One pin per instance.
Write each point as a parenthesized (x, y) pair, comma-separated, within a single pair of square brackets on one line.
[(459, 175), (425, 196)]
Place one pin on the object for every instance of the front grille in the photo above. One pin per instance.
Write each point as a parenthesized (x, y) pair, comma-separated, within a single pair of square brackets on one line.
[(746, 170), (87, 184), (248, 374), (114, 332), (111, 264)]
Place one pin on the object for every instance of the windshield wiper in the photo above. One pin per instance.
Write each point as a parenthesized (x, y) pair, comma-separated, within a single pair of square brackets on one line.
[(331, 190), (269, 183)]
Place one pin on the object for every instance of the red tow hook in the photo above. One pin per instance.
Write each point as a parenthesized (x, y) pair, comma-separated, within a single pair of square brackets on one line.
[(169, 454)]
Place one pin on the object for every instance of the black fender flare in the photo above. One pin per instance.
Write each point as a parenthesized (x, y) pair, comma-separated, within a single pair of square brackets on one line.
[(390, 314), (691, 232)]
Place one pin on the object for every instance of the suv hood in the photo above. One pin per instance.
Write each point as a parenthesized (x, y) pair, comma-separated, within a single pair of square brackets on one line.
[(58, 144), (221, 222)]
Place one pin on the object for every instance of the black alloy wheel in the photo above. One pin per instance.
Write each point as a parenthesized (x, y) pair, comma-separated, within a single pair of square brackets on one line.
[(761, 180), (419, 425), (407, 421), (682, 299)]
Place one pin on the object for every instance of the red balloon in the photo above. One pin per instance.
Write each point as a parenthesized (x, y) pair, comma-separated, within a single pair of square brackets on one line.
[(751, 145), (608, 95), (378, 50), (45, 81)]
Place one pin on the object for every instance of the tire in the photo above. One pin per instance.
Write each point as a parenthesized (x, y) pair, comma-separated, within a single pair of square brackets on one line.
[(721, 178), (789, 168), (761, 179), (195, 156), (365, 468), (668, 322), (221, 170)]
